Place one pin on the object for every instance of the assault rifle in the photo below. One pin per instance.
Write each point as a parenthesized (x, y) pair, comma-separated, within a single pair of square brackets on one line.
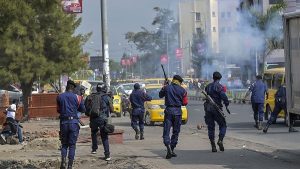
[(211, 101), (57, 91), (166, 78)]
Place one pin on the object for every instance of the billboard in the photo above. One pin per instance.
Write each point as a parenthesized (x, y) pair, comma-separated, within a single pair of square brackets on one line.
[(72, 6)]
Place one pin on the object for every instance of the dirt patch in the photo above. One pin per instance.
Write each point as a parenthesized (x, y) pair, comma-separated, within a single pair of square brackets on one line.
[(42, 144), (30, 164)]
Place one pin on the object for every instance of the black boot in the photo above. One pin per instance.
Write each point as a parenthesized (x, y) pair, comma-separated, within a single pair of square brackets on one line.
[(142, 136), (137, 133), (220, 144), (265, 130), (291, 128), (70, 164), (63, 163), (256, 124), (173, 154), (169, 152), (259, 126), (213, 146)]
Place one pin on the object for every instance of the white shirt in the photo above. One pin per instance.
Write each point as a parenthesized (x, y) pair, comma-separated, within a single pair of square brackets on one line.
[(11, 114)]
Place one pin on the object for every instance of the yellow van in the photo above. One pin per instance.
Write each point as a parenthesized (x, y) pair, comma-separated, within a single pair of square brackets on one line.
[(155, 108), (273, 78)]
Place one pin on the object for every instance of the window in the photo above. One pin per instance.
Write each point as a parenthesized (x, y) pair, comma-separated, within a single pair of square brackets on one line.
[(223, 29), (214, 29), (213, 14), (198, 16), (229, 29), (198, 31), (228, 14), (222, 14), (272, 2)]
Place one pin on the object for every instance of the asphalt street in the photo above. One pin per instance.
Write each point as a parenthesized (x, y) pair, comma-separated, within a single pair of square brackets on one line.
[(240, 125)]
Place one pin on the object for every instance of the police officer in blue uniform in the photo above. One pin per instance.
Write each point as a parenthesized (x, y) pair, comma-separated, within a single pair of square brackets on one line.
[(175, 97), (98, 122), (216, 91), (137, 99), (259, 90), (280, 104), (67, 106)]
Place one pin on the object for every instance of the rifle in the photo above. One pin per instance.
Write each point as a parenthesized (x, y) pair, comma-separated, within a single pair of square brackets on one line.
[(57, 91), (210, 100), (166, 78)]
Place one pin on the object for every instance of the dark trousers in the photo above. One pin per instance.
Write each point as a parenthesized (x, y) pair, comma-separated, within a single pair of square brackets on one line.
[(138, 120), (97, 124), (258, 109), (210, 118), (174, 121), (277, 109), (69, 135)]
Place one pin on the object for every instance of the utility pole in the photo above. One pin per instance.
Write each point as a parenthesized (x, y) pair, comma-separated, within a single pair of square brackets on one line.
[(105, 54)]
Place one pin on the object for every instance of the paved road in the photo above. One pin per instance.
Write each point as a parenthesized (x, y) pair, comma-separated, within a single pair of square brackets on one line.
[(240, 125)]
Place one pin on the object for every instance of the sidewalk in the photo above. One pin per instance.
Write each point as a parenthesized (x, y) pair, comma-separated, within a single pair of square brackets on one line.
[(193, 152)]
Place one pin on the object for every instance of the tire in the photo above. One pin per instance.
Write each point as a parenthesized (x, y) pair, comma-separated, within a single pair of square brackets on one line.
[(119, 114), (148, 121), (268, 112), (183, 122)]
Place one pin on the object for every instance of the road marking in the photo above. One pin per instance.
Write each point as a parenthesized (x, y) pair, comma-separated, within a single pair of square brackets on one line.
[(198, 109)]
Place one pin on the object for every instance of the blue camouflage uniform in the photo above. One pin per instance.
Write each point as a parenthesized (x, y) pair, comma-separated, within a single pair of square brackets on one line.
[(280, 104), (137, 99), (67, 106), (99, 122), (259, 90), (174, 98), (216, 92)]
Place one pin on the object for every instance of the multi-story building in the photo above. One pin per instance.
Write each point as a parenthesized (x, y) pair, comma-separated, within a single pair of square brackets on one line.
[(214, 17)]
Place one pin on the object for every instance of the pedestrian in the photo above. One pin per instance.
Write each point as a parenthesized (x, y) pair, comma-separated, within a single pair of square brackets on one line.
[(99, 106), (11, 125), (68, 105), (280, 104), (175, 97), (216, 91), (259, 90), (137, 99)]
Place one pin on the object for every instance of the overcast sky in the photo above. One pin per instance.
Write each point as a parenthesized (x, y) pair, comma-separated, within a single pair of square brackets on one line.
[(123, 16)]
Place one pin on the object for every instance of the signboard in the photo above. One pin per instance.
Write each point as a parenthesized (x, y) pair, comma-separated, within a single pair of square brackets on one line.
[(179, 53), (164, 59), (96, 62), (72, 6)]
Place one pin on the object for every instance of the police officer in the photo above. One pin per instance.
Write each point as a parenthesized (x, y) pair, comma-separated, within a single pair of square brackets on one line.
[(98, 122), (137, 99), (259, 90), (216, 91), (175, 97), (67, 106), (280, 104)]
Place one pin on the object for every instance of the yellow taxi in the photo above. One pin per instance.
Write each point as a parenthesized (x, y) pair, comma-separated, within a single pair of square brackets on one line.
[(154, 109), (161, 81), (273, 78)]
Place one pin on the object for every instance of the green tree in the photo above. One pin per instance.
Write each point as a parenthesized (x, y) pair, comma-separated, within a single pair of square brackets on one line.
[(153, 44), (37, 41)]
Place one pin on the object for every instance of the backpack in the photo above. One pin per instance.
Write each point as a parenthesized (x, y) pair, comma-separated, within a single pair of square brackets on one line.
[(94, 105)]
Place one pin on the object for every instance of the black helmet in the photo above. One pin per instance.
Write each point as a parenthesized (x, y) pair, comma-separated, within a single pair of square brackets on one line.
[(177, 77), (259, 77), (101, 87), (137, 86), (217, 76)]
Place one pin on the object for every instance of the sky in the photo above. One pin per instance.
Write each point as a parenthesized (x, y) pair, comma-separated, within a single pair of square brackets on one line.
[(123, 16)]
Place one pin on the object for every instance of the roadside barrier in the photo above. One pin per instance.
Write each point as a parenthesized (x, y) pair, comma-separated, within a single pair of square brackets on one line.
[(234, 95)]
